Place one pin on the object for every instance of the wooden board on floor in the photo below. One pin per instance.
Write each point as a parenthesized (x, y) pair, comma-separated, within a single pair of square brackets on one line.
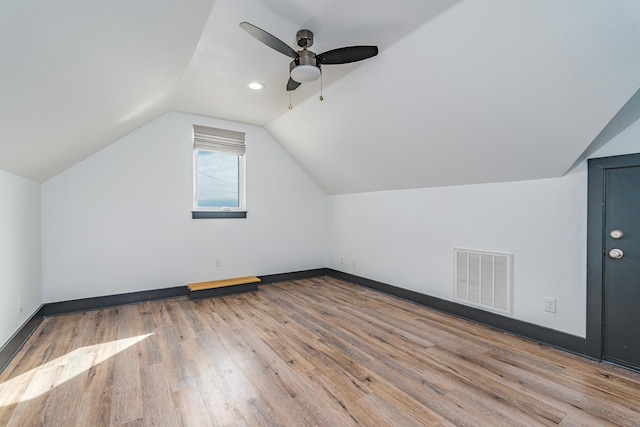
[(222, 287)]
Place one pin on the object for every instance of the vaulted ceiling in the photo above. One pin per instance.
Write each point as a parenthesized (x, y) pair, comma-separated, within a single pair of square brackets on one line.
[(461, 92)]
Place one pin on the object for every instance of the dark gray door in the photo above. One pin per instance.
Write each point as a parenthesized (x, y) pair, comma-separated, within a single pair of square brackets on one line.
[(621, 287)]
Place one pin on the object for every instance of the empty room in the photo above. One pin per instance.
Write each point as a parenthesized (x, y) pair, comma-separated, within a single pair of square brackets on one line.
[(291, 213)]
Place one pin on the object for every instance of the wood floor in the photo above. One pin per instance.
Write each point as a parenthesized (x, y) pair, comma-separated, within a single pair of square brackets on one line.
[(315, 352)]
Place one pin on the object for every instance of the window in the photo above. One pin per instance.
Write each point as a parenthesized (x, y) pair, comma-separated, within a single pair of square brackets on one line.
[(218, 173)]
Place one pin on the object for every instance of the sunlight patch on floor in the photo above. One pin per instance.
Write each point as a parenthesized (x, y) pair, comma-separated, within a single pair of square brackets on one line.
[(50, 375)]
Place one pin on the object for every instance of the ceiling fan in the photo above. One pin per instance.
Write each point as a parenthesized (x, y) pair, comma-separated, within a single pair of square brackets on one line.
[(306, 65)]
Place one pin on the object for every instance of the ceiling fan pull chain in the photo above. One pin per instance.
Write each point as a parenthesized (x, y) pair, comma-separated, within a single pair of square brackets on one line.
[(290, 106), (321, 97)]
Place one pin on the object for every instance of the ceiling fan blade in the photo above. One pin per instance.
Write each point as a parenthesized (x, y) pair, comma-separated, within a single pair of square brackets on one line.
[(344, 55), (292, 84), (268, 39)]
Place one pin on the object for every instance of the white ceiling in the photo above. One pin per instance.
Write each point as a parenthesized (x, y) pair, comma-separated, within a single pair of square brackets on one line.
[(461, 92), (227, 58)]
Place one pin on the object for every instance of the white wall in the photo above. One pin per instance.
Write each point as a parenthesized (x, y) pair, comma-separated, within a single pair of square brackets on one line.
[(20, 252), (406, 238), (120, 221)]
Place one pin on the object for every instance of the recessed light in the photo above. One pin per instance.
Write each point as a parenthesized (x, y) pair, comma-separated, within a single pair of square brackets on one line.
[(255, 86)]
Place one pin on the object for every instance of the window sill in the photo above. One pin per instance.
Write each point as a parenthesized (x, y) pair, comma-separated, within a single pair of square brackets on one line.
[(218, 214)]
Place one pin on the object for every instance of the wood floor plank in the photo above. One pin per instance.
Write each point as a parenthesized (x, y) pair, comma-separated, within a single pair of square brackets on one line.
[(157, 399), (220, 346), (126, 389), (569, 392), (198, 415), (69, 385), (387, 414), (35, 400), (484, 383), (220, 407), (317, 351), (177, 371)]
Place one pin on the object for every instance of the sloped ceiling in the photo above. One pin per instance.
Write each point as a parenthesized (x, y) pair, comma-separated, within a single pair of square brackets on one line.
[(77, 75), (461, 92), (488, 91)]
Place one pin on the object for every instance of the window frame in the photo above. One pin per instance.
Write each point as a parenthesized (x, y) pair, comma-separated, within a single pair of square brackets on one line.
[(219, 212)]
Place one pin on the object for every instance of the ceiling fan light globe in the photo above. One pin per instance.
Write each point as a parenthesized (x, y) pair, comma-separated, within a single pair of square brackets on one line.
[(305, 73)]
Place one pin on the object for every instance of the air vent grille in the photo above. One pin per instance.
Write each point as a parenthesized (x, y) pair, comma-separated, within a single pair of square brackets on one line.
[(483, 279)]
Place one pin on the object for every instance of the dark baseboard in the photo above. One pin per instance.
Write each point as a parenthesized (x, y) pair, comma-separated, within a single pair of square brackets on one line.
[(18, 339), (527, 330), (296, 275), (96, 303)]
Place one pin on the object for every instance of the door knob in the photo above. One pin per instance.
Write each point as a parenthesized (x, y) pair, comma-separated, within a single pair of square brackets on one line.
[(616, 253), (616, 234)]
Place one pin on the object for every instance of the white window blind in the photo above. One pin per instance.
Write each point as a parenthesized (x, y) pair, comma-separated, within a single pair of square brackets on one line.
[(220, 140)]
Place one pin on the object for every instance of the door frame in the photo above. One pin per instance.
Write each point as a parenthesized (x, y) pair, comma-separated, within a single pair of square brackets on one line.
[(596, 246)]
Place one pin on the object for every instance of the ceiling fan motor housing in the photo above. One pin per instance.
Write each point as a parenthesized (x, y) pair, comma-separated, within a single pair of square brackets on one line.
[(304, 38)]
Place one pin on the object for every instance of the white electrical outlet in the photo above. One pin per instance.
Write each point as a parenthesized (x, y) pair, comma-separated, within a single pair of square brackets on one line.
[(353, 262), (20, 304), (550, 305), (218, 262), (341, 260)]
